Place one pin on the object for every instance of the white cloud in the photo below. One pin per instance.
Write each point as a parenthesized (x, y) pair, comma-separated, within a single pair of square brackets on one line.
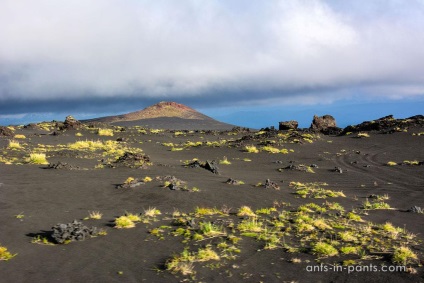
[(191, 48)]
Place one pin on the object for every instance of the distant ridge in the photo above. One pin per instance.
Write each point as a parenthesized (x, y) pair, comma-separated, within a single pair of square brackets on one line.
[(166, 114)]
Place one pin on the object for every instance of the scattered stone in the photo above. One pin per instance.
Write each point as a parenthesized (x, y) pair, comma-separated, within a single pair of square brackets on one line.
[(300, 167), (416, 209), (74, 231), (31, 126), (173, 187), (288, 125), (212, 166), (325, 124), (121, 139), (240, 130), (63, 165), (194, 164), (175, 184), (271, 185), (367, 166), (131, 184), (278, 162), (132, 160), (6, 132), (313, 166), (338, 170), (235, 182), (192, 224)]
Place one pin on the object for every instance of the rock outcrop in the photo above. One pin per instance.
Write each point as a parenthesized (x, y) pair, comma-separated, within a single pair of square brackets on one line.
[(70, 124), (5, 132), (325, 124), (386, 125), (75, 231), (288, 125)]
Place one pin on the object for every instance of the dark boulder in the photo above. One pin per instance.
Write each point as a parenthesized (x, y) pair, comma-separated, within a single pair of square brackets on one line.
[(212, 166), (132, 160), (74, 231), (271, 185), (131, 183), (325, 124), (386, 125), (31, 126), (6, 132), (70, 124), (288, 125), (232, 181), (416, 209), (63, 165), (194, 164)]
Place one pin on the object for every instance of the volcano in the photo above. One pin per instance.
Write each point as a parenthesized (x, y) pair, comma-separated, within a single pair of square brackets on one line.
[(166, 115)]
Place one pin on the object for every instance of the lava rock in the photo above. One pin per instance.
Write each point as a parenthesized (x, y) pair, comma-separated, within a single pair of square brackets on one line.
[(63, 165), (194, 164), (416, 209), (74, 231), (300, 167), (132, 160), (386, 125), (212, 166), (6, 132), (288, 125), (325, 124), (232, 181), (338, 170), (70, 124), (271, 185), (131, 184)]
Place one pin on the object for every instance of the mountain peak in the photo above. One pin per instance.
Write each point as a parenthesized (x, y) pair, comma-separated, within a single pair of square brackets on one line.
[(165, 109), (166, 115)]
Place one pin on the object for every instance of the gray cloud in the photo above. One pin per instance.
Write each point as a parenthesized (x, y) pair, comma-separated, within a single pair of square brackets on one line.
[(206, 53)]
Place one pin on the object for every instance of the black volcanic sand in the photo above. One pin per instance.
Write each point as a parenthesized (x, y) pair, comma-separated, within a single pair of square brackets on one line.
[(47, 197)]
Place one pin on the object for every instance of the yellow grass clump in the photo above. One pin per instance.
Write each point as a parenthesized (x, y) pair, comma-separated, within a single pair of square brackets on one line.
[(95, 215), (123, 222), (224, 161), (5, 254), (105, 132), (20, 137), (251, 149), (14, 145), (37, 158)]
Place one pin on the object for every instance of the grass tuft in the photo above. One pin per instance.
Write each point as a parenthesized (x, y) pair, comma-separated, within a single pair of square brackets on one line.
[(37, 158), (5, 254), (224, 161), (251, 149), (324, 250), (105, 132), (19, 137), (95, 215), (14, 145), (124, 222), (403, 256), (245, 211)]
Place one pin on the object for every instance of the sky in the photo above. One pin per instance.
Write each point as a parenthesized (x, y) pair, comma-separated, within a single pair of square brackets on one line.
[(250, 63)]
